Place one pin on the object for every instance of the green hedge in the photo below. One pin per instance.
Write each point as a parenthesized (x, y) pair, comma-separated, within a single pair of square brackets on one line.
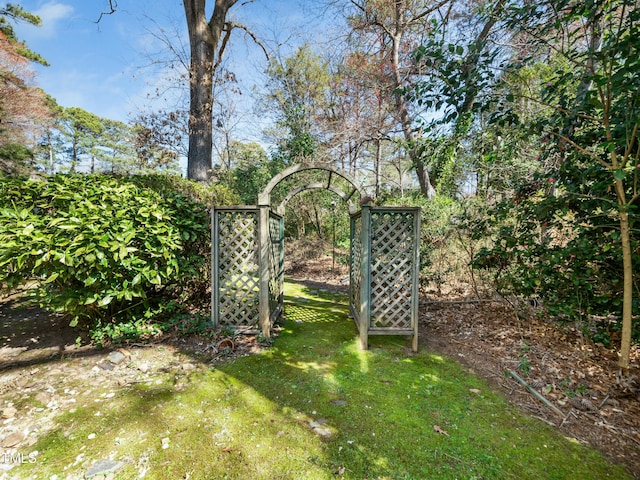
[(107, 251)]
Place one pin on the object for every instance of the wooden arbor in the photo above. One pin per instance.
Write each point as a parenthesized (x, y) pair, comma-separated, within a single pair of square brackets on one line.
[(383, 272), (248, 258)]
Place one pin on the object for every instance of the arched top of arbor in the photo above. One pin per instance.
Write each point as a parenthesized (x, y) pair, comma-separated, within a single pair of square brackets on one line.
[(315, 186), (265, 197)]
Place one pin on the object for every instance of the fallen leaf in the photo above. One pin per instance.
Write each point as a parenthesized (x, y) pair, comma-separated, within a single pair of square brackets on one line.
[(440, 430), (474, 390)]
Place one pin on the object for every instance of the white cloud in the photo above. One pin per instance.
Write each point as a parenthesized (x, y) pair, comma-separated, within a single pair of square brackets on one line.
[(52, 14)]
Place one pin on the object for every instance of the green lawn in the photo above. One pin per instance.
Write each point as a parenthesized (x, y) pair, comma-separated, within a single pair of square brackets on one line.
[(315, 407)]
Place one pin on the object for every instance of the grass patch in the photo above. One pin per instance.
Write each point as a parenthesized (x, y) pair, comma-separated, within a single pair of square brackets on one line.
[(390, 414)]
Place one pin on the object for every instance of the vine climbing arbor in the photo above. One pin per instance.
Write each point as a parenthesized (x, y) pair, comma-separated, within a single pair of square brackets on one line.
[(248, 259)]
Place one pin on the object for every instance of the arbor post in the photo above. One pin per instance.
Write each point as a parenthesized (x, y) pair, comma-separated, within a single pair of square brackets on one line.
[(263, 269), (215, 283), (365, 278), (415, 280)]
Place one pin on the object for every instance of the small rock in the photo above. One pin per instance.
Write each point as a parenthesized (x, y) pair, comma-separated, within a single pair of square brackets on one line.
[(106, 366), (43, 398), (116, 357), (9, 412), (125, 352), (319, 429), (103, 467), (317, 423), (323, 431), (187, 367), (12, 440), (339, 402)]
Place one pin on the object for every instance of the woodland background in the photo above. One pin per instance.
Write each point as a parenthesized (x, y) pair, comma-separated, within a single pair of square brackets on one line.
[(514, 125)]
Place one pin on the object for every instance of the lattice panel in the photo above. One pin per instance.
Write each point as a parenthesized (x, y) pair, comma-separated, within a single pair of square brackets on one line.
[(392, 241), (355, 272), (238, 268), (276, 263)]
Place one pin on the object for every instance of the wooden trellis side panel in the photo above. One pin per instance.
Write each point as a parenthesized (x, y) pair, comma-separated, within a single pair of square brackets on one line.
[(384, 269), (394, 269), (235, 268), (238, 269), (355, 261), (276, 265)]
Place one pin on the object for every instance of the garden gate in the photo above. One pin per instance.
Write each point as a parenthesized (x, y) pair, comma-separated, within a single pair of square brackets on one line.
[(248, 260)]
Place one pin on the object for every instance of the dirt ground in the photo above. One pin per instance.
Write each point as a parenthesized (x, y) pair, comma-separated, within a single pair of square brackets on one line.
[(590, 401)]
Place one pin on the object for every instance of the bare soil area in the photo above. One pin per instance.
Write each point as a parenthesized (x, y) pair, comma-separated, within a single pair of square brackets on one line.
[(593, 403)]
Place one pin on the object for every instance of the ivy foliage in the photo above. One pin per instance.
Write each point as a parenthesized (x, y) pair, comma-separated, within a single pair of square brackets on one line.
[(106, 251)]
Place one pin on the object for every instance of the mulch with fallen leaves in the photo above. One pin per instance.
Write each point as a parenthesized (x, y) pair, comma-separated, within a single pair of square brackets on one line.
[(588, 397)]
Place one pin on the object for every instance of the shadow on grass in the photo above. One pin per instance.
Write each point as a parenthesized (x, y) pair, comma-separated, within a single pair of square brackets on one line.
[(388, 413), (313, 406)]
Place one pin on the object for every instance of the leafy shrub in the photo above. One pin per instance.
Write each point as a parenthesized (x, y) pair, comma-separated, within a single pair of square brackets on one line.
[(562, 248), (107, 251), (169, 185), (437, 232)]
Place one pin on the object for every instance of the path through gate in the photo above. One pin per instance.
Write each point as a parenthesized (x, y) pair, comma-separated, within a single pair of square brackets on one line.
[(248, 261)]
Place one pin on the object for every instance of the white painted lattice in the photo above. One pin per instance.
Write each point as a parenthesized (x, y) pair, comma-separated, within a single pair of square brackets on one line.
[(392, 257), (236, 253), (384, 266)]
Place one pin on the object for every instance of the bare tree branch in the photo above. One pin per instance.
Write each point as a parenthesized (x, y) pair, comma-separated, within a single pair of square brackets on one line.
[(113, 5), (232, 25)]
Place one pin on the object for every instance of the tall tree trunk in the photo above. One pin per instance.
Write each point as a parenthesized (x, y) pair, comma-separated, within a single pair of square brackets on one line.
[(74, 156), (317, 221), (204, 37), (51, 160), (465, 109), (415, 153), (627, 289)]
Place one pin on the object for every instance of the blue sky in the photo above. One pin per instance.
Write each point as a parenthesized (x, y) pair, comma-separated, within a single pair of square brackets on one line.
[(104, 68)]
